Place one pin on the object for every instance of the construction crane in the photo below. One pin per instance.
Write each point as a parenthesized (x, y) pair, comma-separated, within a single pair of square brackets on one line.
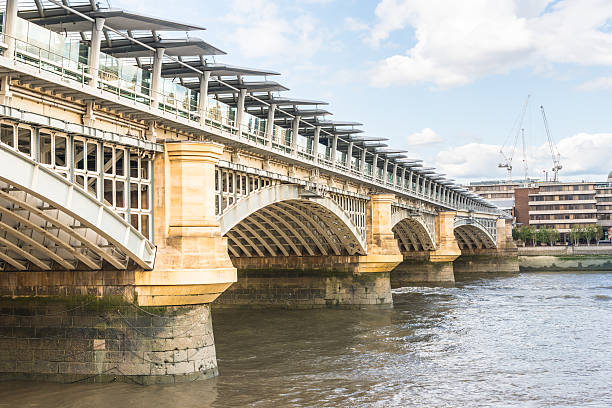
[(524, 155), (507, 159), (556, 157)]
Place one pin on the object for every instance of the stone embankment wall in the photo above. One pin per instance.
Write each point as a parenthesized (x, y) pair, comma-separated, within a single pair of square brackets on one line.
[(569, 258)]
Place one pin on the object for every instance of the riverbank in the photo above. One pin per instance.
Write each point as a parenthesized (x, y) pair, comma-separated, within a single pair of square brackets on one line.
[(565, 258)]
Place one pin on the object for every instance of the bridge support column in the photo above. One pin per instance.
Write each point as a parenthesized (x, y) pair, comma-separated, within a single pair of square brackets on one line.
[(351, 281), (503, 259), (433, 268), (192, 265), (133, 325)]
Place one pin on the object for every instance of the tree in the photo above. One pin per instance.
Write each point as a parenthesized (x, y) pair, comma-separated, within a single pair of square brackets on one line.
[(589, 233), (575, 234), (600, 233), (541, 235), (527, 234), (515, 234), (553, 236)]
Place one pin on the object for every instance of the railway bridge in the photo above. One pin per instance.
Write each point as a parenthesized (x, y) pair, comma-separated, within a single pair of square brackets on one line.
[(140, 182)]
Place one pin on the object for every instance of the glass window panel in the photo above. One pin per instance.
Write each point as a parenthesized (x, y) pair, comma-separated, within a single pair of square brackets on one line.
[(108, 160), (22, 31), (24, 140), (79, 153), (144, 196), (92, 186), (92, 157), (144, 168), (134, 165), (119, 194), (45, 148), (120, 162), (6, 135), (80, 180), (108, 192), (144, 81), (134, 221), (133, 195), (60, 150), (144, 225)]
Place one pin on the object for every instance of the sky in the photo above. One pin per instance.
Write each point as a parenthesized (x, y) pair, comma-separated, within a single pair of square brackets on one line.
[(445, 80)]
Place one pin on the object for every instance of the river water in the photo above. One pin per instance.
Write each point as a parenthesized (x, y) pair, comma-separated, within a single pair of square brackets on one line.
[(525, 340)]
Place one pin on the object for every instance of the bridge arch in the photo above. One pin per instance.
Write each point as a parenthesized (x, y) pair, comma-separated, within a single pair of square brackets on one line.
[(286, 220), (471, 235), (48, 222), (412, 232)]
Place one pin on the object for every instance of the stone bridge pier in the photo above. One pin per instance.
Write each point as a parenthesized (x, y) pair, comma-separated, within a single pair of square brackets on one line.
[(430, 262), (503, 258), (105, 312)]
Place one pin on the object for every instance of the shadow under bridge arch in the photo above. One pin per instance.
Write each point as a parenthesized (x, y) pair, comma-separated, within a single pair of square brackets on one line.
[(471, 235), (412, 232), (286, 220)]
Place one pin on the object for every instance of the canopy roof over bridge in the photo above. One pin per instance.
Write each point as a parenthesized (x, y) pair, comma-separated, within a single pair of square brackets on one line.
[(187, 60), (58, 19)]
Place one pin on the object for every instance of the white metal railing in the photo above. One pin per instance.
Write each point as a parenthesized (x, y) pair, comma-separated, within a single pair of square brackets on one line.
[(46, 60)]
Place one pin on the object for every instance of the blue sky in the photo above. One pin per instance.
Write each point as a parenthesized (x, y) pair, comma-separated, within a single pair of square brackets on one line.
[(444, 80)]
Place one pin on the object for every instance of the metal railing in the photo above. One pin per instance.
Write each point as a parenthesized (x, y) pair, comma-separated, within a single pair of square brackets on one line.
[(109, 82), (46, 60)]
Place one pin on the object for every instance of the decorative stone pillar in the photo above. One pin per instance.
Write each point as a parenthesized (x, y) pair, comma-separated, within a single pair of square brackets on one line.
[(447, 249), (504, 236), (383, 250), (192, 265)]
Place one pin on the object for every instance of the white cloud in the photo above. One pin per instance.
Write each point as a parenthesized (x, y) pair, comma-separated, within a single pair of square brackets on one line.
[(597, 84), (353, 24), (264, 31), (425, 137), (583, 156), (457, 42), (473, 160), (586, 153)]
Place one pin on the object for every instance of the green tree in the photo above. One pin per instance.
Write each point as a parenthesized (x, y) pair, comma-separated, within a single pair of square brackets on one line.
[(590, 232), (600, 233), (515, 234), (525, 234), (541, 235), (553, 236), (575, 234)]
